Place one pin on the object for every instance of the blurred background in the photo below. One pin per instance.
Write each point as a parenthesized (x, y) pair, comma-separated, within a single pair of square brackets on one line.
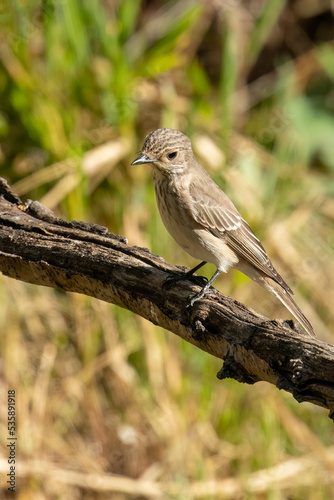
[(99, 390)]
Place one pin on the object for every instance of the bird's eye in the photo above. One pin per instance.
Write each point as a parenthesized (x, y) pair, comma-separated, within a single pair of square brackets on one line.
[(171, 156)]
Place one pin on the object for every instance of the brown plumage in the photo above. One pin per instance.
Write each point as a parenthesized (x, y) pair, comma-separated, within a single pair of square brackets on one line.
[(204, 221)]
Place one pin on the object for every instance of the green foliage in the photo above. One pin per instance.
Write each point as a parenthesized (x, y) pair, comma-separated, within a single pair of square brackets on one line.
[(99, 389)]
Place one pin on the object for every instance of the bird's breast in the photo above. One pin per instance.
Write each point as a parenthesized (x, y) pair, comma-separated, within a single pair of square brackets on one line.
[(174, 210), (174, 205)]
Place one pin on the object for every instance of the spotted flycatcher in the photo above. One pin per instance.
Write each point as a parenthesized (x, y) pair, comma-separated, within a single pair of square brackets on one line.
[(204, 221)]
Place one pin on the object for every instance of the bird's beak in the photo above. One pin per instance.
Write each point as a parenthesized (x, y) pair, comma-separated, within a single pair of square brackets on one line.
[(142, 159)]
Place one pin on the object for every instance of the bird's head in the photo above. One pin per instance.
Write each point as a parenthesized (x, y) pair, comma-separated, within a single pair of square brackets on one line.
[(167, 150)]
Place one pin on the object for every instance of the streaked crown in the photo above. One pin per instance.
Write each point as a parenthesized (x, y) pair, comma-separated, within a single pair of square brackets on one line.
[(164, 139)]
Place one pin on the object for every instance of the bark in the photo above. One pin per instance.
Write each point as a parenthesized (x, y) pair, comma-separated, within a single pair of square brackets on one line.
[(39, 248)]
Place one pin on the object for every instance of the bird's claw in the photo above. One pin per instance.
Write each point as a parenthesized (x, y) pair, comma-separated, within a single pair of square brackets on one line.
[(197, 297), (198, 280), (172, 279)]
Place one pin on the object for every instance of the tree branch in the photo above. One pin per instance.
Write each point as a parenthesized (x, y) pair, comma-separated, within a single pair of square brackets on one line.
[(39, 248)]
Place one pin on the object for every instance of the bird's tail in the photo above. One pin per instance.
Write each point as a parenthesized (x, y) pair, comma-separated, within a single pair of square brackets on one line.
[(289, 303)]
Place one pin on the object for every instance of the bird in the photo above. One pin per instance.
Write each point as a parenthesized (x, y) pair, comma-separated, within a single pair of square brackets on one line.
[(204, 221)]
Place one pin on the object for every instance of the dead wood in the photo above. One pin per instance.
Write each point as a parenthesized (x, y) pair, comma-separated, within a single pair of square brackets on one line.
[(39, 248)]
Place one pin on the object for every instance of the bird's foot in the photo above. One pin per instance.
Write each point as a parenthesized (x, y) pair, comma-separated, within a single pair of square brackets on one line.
[(172, 279), (198, 296)]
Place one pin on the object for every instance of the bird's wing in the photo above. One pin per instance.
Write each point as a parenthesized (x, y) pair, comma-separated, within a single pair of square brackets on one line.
[(213, 210)]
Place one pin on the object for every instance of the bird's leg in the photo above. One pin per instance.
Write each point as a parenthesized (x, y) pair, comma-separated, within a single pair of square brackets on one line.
[(170, 280), (204, 289), (192, 271)]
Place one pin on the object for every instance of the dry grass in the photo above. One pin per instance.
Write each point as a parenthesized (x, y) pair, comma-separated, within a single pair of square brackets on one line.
[(109, 406)]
